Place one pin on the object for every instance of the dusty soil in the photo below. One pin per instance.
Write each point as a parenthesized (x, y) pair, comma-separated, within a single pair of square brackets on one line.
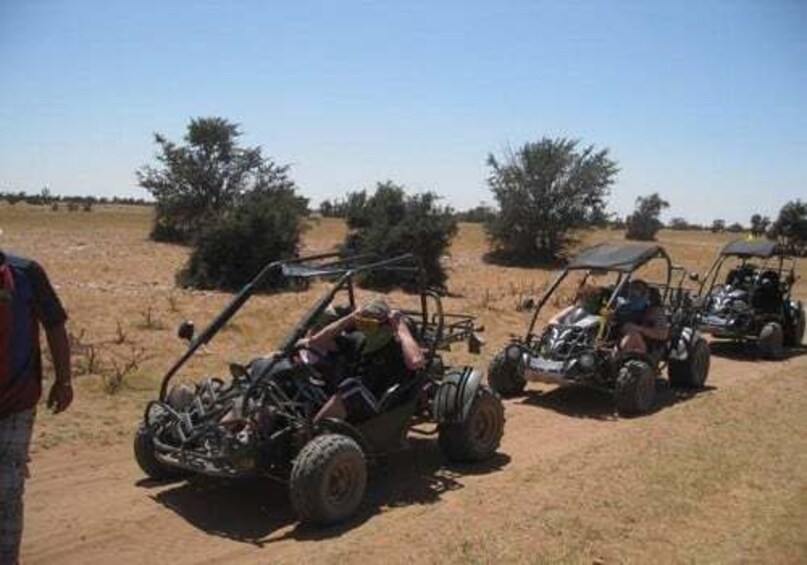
[(716, 476)]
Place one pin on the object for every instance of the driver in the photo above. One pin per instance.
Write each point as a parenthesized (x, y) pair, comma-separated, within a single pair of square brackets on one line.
[(645, 320), (388, 346)]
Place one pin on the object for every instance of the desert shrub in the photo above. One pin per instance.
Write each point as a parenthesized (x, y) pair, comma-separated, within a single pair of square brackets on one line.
[(718, 226), (736, 227), (262, 227), (759, 225), (644, 223), (390, 222), (544, 190), (679, 224), (790, 226), (477, 215), (198, 183)]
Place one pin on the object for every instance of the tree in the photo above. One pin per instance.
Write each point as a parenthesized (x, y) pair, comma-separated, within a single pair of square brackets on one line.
[(736, 227), (390, 222), (644, 223), (718, 226), (759, 225), (264, 226), (545, 190), (679, 224), (790, 226), (478, 215), (194, 184)]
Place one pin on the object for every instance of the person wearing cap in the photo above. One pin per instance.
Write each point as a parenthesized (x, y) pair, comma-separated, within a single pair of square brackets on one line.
[(27, 301), (390, 352)]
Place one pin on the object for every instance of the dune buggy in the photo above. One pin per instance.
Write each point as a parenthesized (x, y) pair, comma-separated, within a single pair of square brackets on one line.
[(754, 301), (260, 420), (581, 349)]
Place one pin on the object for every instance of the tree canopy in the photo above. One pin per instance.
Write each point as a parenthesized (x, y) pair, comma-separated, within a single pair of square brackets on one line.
[(544, 190), (645, 221)]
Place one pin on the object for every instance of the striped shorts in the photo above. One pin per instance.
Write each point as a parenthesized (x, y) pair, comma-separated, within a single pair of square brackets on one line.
[(15, 437)]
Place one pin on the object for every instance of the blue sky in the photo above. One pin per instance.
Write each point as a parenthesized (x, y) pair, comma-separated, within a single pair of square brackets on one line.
[(705, 102)]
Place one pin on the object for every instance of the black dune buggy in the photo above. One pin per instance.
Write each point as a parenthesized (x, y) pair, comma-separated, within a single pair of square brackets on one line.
[(754, 301), (260, 420), (580, 349)]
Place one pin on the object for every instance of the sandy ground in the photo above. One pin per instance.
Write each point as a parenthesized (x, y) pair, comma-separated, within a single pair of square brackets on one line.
[(720, 476)]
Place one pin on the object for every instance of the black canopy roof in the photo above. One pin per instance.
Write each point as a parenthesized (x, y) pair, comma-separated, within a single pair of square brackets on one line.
[(751, 248), (616, 256)]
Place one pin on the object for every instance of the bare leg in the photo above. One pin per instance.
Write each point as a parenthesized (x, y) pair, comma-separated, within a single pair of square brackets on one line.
[(633, 342), (333, 408)]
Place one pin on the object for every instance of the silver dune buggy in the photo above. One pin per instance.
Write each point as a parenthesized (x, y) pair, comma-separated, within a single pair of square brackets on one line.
[(581, 349), (754, 301), (260, 420)]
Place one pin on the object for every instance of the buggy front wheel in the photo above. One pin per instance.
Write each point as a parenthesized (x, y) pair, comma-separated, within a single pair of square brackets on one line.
[(771, 341), (504, 375), (476, 437), (328, 480), (635, 387), (147, 459)]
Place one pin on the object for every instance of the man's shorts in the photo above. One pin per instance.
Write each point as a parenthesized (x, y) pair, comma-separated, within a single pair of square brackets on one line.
[(360, 403)]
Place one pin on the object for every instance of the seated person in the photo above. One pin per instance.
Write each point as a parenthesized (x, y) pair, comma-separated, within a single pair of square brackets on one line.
[(587, 301), (642, 321), (388, 344)]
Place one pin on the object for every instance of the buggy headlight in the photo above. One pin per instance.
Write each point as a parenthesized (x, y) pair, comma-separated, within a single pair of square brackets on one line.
[(513, 353), (586, 361)]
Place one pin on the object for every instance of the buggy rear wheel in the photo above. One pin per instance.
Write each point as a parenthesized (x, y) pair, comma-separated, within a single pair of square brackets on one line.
[(504, 376), (147, 460), (328, 480), (477, 437), (635, 387), (692, 371), (771, 341)]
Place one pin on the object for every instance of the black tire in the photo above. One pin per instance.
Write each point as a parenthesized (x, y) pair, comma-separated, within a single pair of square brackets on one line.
[(771, 341), (477, 437), (148, 462), (328, 480), (505, 377), (693, 371), (795, 332), (635, 387)]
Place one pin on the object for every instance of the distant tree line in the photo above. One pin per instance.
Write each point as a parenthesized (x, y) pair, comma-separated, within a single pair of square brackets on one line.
[(71, 203)]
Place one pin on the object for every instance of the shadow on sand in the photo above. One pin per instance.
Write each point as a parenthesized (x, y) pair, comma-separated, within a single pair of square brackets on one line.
[(748, 351), (585, 402), (252, 510)]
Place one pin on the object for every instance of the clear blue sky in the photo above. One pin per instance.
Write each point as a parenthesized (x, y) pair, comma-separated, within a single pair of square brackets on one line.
[(705, 102)]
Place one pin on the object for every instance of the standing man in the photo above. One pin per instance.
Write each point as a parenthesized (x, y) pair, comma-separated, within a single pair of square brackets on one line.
[(27, 300)]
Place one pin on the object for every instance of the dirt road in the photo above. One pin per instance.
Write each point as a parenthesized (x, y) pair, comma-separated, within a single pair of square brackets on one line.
[(689, 482)]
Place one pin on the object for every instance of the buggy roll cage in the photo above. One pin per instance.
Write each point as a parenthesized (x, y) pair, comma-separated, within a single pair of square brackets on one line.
[(624, 270), (771, 254), (431, 329)]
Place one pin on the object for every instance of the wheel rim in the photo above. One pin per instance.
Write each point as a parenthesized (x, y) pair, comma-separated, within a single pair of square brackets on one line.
[(341, 483), (483, 425)]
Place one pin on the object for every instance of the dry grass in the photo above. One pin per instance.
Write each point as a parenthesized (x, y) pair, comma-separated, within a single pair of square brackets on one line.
[(720, 478)]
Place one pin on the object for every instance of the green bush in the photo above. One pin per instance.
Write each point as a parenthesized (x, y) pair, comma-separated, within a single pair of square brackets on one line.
[(390, 223), (263, 227)]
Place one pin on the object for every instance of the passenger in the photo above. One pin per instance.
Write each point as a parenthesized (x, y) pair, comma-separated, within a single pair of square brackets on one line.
[(388, 344), (643, 321), (587, 301)]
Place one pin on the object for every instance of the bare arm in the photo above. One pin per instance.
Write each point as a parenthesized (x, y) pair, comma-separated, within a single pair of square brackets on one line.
[(657, 328), (557, 317), (61, 393), (413, 355), (323, 340)]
